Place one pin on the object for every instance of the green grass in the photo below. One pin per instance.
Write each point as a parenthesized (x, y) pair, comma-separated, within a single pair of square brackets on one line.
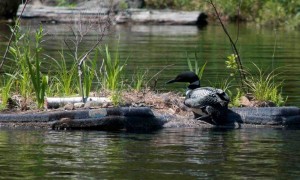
[(6, 85), (39, 80), (138, 79), (112, 70), (264, 86), (64, 82), (195, 66)]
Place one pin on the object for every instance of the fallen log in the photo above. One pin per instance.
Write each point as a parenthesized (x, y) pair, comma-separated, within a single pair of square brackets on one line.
[(88, 14), (120, 118), (56, 102)]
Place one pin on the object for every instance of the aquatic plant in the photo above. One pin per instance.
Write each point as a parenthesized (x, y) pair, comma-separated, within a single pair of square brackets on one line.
[(264, 86), (6, 85), (38, 79), (196, 68), (138, 79), (90, 71), (112, 70), (19, 51), (65, 80)]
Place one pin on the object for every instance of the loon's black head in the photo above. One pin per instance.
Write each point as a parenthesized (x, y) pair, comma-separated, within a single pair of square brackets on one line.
[(189, 77)]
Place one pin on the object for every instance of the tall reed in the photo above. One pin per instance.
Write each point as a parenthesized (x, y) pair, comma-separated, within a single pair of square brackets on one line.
[(112, 70), (6, 85), (196, 68), (19, 50), (90, 72), (138, 79), (65, 80), (38, 80)]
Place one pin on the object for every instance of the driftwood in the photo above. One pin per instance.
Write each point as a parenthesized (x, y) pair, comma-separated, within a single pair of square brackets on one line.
[(55, 102), (66, 15)]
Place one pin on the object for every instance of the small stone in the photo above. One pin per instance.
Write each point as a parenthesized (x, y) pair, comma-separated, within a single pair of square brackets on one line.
[(79, 105), (88, 105), (244, 101), (69, 107)]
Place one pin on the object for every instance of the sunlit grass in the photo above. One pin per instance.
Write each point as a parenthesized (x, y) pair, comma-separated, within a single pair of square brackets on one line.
[(264, 87)]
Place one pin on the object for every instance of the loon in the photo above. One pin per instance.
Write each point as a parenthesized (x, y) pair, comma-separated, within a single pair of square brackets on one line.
[(207, 103)]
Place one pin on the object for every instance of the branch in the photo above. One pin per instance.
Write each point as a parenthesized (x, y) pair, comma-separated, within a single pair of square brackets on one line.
[(238, 59)]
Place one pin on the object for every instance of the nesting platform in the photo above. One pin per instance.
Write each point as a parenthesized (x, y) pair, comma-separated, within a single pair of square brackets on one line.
[(144, 119)]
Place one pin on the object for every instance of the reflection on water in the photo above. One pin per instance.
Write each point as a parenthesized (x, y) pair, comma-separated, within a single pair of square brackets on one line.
[(169, 153)]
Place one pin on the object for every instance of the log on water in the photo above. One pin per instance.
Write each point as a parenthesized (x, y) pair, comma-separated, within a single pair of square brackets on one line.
[(165, 16), (122, 118), (55, 102), (279, 116)]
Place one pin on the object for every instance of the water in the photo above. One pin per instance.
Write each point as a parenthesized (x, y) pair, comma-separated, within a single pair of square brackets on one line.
[(255, 153), (164, 50), (167, 154)]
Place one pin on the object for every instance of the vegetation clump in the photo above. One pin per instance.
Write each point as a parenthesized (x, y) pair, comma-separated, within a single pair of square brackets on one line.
[(267, 12)]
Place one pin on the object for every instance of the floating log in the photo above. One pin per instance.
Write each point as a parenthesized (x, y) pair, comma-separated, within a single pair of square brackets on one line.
[(87, 14), (55, 102), (127, 118), (166, 17)]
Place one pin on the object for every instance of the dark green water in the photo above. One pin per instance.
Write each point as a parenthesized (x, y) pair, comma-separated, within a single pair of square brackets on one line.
[(167, 154), (153, 48), (250, 153)]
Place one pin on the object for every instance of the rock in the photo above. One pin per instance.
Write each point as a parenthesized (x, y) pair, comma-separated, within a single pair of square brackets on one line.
[(69, 107), (244, 101), (78, 105)]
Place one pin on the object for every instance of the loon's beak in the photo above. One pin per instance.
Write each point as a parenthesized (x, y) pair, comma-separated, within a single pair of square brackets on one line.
[(171, 81)]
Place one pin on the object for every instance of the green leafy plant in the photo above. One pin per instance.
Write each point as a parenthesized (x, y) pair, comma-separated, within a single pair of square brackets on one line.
[(139, 79), (196, 68), (38, 80), (6, 85), (19, 50), (65, 80), (112, 70), (89, 71), (264, 87)]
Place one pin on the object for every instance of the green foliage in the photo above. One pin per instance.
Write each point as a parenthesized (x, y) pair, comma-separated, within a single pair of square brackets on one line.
[(112, 70), (20, 50), (65, 3), (138, 79), (272, 13), (235, 98), (264, 87), (89, 73), (265, 12), (65, 80), (196, 68), (6, 85), (38, 80), (123, 5)]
